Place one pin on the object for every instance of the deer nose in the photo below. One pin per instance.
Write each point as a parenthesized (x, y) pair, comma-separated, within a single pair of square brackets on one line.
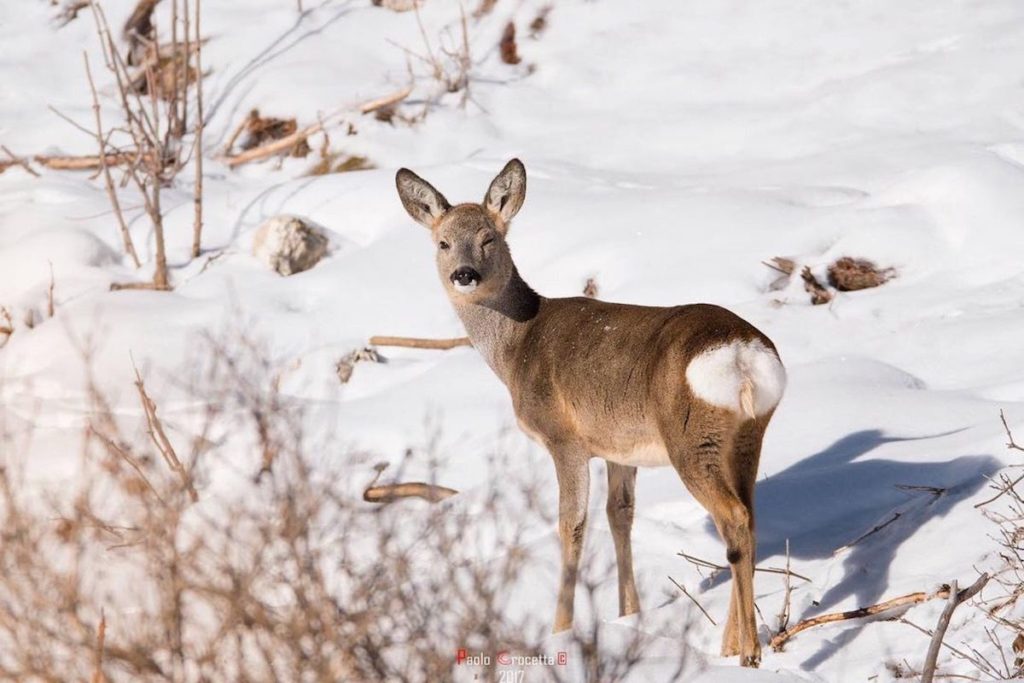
[(465, 279)]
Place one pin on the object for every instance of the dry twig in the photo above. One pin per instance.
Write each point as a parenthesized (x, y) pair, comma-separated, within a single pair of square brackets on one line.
[(1007, 485), (49, 294), (101, 636), (18, 161), (104, 166), (197, 195), (159, 436), (720, 567), (693, 599)]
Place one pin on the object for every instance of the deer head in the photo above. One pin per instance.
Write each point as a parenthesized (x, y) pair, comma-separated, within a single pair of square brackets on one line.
[(473, 259)]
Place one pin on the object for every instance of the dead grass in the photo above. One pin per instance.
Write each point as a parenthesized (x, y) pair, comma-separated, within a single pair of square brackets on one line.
[(339, 162), (846, 274), (540, 22), (849, 274)]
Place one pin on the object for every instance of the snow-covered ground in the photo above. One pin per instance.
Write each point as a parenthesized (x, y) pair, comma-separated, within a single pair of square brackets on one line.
[(671, 148)]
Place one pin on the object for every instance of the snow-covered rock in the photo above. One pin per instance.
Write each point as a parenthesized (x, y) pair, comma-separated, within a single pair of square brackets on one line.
[(289, 244)]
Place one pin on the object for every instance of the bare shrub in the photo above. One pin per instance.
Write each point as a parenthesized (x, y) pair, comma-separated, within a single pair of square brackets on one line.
[(284, 574), (1005, 509), (153, 82)]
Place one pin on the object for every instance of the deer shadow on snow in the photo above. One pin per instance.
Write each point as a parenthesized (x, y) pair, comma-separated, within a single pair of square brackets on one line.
[(831, 500)]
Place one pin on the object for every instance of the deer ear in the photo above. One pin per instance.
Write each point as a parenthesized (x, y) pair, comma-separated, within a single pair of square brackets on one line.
[(507, 191), (420, 199)]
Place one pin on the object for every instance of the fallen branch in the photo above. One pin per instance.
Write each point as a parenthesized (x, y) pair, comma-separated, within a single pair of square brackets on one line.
[(386, 493), (419, 343), (956, 598), (276, 147), (88, 162), (903, 601), (154, 286), (385, 101)]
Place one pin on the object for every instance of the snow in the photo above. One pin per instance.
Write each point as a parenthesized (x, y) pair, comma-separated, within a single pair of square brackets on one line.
[(670, 149)]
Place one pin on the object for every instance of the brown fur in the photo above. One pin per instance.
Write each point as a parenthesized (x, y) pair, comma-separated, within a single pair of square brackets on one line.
[(592, 378)]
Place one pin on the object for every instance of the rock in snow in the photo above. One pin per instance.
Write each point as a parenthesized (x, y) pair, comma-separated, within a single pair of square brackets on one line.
[(289, 244)]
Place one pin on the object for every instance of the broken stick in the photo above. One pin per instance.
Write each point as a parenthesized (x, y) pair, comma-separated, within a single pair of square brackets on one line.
[(386, 493), (419, 343)]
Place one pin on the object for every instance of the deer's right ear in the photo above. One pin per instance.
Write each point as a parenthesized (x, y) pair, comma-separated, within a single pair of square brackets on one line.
[(420, 199)]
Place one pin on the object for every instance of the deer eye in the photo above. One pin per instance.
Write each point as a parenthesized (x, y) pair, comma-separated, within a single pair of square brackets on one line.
[(443, 245), (487, 242)]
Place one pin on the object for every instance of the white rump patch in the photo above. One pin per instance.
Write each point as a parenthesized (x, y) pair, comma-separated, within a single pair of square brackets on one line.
[(719, 375), (465, 289)]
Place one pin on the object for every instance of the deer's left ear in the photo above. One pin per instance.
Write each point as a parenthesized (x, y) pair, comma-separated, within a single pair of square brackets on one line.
[(507, 191)]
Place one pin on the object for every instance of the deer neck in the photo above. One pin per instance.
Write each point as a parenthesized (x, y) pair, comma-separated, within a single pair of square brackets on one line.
[(496, 326)]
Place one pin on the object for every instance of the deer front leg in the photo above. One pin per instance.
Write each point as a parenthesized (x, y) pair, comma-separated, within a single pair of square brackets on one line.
[(573, 470)]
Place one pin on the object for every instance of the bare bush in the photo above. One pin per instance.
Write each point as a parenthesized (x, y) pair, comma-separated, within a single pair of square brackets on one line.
[(152, 85), (275, 571)]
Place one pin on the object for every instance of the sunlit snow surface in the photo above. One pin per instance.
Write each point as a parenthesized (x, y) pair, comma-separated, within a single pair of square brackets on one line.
[(671, 148)]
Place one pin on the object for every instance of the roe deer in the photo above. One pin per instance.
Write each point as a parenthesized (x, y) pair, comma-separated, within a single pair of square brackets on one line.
[(688, 386)]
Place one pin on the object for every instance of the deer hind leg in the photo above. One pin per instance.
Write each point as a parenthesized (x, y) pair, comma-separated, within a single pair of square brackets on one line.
[(573, 470), (742, 467), (621, 504), (702, 455)]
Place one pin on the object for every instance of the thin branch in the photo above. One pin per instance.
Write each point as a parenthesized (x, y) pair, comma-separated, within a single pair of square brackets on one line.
[(873, 530), (49, 294), (19, 161), (159, 436), (1007, 486), (785, 609), (101, 636), (1011, 444), (719, 567), (197, 194), (126, 237), (687, 594), (956, 598)]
